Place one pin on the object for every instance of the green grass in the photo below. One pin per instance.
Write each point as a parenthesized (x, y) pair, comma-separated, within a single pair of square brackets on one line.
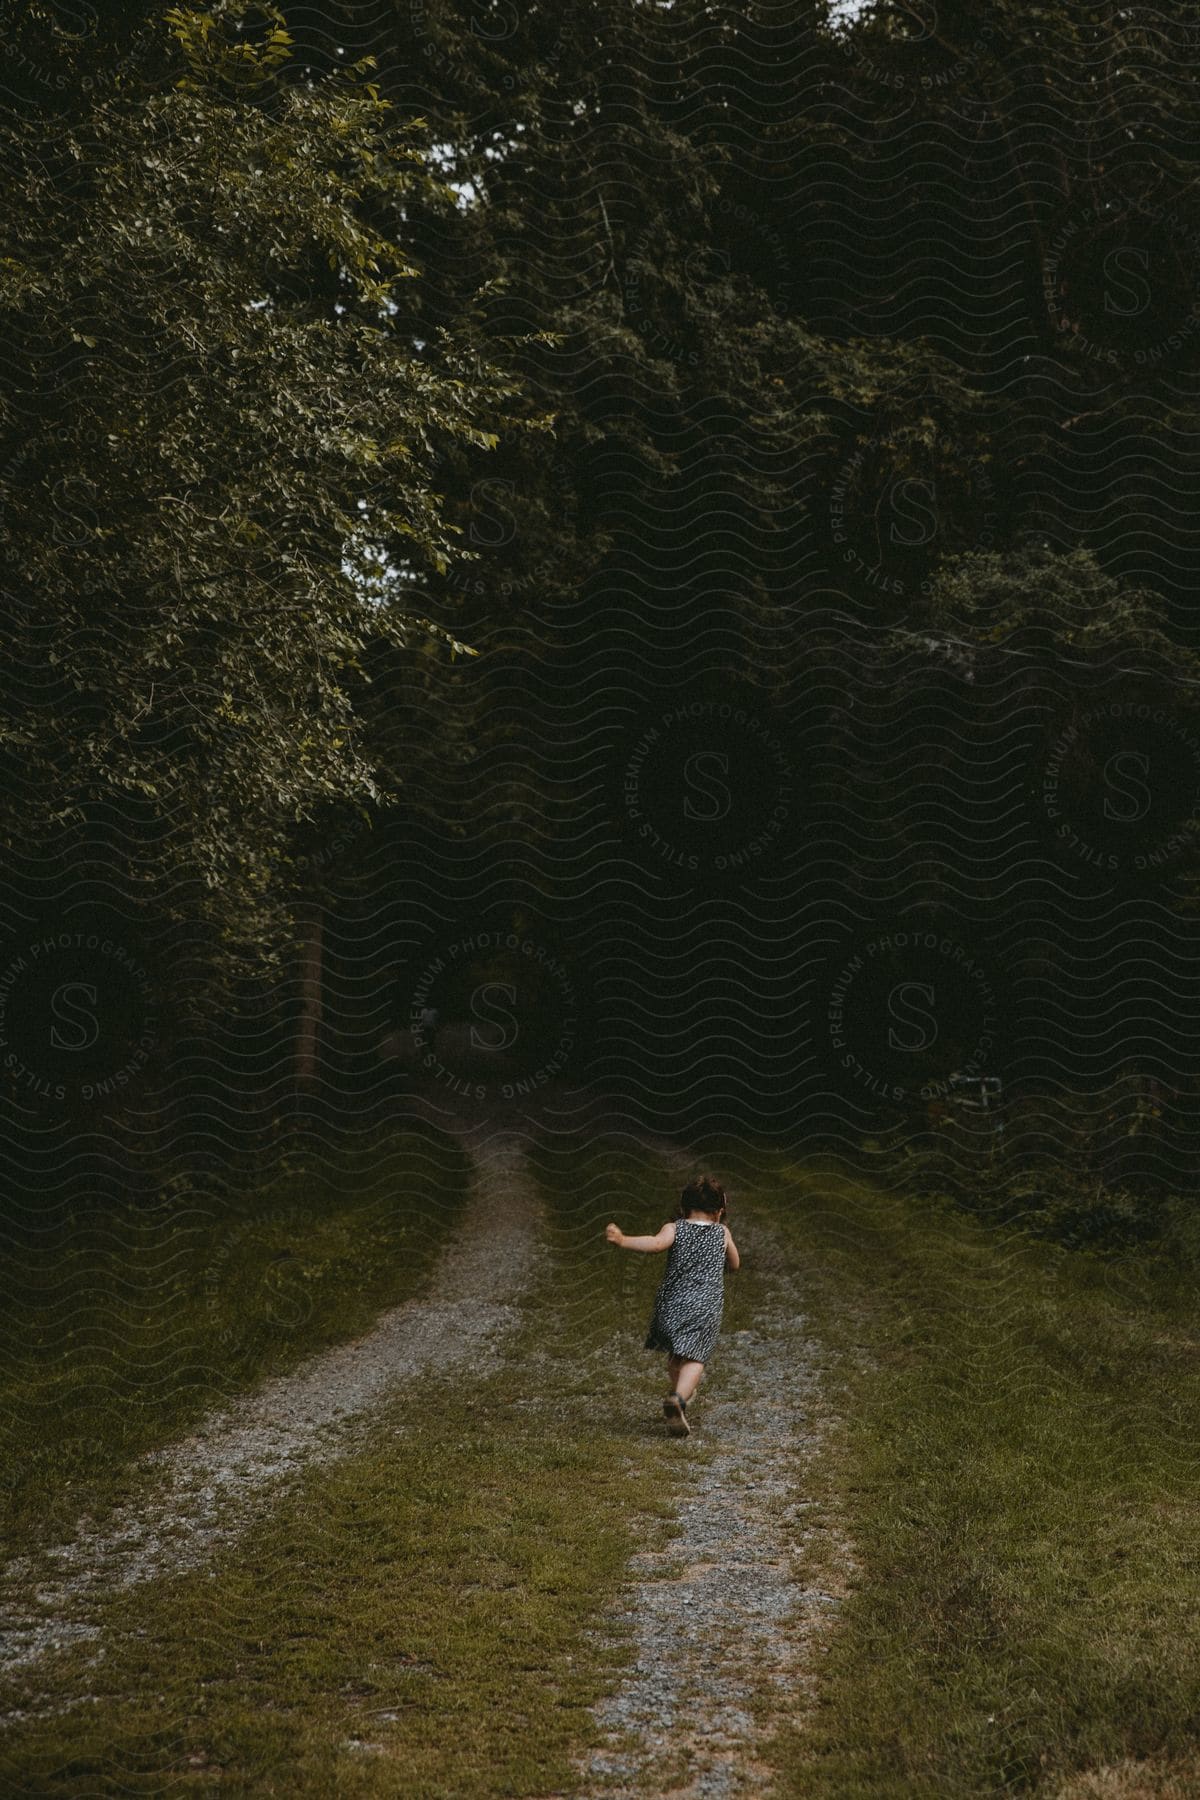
[(432, 1601), (121, 1327), (1016, 1465), (1010, 1449)]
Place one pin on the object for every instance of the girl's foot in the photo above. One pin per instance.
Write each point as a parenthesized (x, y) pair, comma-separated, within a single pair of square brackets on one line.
[(675, 1413)]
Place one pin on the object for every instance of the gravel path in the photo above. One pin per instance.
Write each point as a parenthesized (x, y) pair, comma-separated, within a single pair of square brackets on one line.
[(719, 1617), (724, 1631), (214, 1482)]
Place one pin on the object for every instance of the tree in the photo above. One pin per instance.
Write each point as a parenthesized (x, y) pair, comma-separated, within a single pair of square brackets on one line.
[(220, 489)]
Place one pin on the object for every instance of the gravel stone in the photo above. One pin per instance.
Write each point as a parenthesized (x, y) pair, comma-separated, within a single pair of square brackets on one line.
[(719, 1614), (215, 1481)]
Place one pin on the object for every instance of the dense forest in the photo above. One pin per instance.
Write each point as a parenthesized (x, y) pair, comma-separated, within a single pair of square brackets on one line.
[(599, 655), (643, 546)]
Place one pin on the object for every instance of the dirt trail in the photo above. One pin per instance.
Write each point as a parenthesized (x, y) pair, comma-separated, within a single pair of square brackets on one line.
[(722, 1626), (719, 1617), (214, 1482)]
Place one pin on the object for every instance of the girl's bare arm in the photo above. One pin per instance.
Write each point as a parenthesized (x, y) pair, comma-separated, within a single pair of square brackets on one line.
[(732, 1258), (662, 1240)]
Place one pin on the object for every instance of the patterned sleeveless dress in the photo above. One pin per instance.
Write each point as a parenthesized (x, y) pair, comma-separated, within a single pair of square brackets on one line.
[(691, 1295)]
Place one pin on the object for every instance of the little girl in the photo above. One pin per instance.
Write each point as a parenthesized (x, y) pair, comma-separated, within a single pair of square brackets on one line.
[(691, 1295)]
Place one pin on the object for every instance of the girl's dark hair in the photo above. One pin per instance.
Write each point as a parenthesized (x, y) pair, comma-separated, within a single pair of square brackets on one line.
[(705, 1194)]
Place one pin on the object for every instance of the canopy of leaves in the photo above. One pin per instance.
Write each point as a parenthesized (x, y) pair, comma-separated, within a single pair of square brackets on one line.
[(222, 438)]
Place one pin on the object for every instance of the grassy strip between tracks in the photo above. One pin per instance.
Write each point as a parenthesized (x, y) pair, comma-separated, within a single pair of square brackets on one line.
[(1016, 1463), (120, 1328), (418, 1619)]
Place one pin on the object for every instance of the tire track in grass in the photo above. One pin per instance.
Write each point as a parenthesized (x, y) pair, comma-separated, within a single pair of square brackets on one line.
[(724, 1628), (220, 1477)]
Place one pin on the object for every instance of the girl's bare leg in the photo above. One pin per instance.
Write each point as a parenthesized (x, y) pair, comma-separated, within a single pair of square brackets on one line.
[(674, 1364), (688, 1378)]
